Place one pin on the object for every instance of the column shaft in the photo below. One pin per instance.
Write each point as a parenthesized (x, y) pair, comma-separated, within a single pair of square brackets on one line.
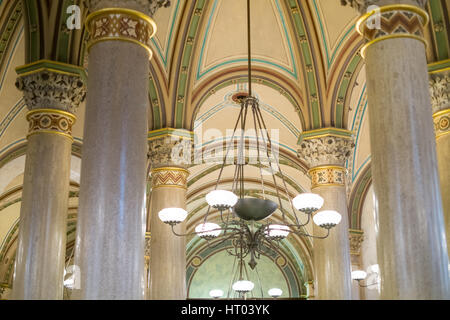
[(52, 92), (332, 255), (326, 150), (168, 252), (411, 241), (43, 219), (111, 217), (169, 153)]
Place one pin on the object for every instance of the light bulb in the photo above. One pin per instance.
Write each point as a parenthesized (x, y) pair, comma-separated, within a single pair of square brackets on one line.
[(221, 199), (275, 292), (359, 275), (243, 286), (208, 230), (216, 293), (172, 216), (277, 232), (308, 202), (327, 219)]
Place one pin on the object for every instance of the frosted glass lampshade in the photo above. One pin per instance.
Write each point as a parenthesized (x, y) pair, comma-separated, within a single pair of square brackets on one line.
[(243, 286), (69, 283), (277, 231), (327, 219), (216, 293), (172, 215), (221, 199), (359, 275), (208, 230), (275, 292), (308, 202)]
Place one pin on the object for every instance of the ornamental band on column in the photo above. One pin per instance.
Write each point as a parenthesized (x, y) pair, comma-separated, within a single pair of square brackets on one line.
[(392, 21)]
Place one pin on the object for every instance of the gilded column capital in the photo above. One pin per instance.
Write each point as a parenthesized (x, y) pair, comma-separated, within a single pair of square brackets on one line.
[(326, 151), (51, 85), (170, 148), (118, 24), (149, 7), (363, 5), (325, 147), (52, 92), (356, 238), (440, 91), (391, 20)]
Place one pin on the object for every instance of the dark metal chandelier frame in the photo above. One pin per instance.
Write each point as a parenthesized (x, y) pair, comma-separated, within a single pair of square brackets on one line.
[(241, 219)]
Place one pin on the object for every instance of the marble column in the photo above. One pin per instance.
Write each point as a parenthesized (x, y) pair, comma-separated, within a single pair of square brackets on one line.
[(411, 244), (169, 186), (52, 93), (440, 98), (111, 216), (325, 151)]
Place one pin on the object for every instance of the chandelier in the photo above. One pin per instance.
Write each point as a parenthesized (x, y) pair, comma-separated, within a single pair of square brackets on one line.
[(246, 220)]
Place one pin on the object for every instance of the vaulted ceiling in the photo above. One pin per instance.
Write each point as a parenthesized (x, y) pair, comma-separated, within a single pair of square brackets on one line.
[(308, 74)]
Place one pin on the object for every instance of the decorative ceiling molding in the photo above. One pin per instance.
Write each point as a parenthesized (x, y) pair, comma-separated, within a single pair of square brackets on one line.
[(358, 196)]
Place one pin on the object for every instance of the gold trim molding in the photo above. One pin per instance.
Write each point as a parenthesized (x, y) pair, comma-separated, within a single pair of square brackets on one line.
[(50, 121), (327, 176), (171, 177), (441, 121), (117, 24), (395, 21)]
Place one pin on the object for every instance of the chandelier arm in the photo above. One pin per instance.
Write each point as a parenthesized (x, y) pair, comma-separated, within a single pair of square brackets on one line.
[(221, 241), (195, 233), (300, 224), (228, 149), (367, 285), (258, 151), (311, 236), (279, 168), (270, 162), (241, 160)]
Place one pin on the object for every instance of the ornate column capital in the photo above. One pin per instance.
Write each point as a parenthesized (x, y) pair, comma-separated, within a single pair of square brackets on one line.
[(170, 148), (356, 238), (52, 85), (52, 92), (170, 153), (440, 90), (149, 7), (440, 101), (326, 151), (325, 147), (363, 5)]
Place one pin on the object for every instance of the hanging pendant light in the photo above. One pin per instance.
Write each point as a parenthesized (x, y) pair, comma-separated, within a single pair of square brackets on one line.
[(244, 219)]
